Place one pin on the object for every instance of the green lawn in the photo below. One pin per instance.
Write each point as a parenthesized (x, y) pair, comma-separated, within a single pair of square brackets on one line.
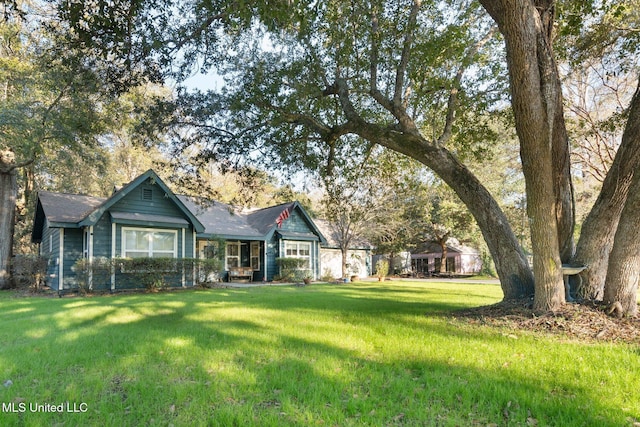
[(358, 354)]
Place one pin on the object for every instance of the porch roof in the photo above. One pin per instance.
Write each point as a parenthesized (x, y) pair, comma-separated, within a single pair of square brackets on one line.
[(292, 235), (136, 218)]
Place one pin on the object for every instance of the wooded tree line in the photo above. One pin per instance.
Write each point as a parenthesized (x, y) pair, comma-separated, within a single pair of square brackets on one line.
[(320, 85)]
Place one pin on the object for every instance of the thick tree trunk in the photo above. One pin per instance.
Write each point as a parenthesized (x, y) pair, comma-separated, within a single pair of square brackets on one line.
[(536, 99), (344, 250), (599, 228), (542, 17), (563, 185), (8, 193), (621, 286), (596, 240)]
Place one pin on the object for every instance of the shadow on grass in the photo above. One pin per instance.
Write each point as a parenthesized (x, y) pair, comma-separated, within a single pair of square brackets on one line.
[(252, 357)]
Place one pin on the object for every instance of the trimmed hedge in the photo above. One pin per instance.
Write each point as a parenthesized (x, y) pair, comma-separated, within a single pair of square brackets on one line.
[(143, 273), (292, 269)]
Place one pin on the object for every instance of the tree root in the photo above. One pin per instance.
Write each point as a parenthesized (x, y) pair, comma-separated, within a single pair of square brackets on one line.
[(615, 309)]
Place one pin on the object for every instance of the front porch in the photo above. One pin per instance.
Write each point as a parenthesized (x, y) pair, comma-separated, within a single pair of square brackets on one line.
[(242, 260)]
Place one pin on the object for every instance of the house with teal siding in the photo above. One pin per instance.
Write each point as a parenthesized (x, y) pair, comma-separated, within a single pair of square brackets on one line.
[(146, 219)]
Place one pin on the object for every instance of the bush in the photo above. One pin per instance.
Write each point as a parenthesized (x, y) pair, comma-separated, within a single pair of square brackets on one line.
[(153, 273), (488, 265), (382, 268), (292, 269), (149, 273), (93, 275), (29, 270), (327, 276), (209, 270)]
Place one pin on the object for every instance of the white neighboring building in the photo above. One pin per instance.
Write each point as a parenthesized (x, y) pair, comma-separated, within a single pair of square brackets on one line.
[(358, 255), (461, 259)]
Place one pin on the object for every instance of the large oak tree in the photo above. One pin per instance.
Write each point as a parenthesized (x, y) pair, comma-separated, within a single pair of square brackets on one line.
[(536, 98), (48, 115), (528, 28)]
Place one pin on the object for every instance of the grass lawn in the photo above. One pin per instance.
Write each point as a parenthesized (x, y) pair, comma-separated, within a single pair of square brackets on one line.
[(346, 355)]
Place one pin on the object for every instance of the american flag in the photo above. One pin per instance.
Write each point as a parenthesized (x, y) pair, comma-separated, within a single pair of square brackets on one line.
[(283, 215)]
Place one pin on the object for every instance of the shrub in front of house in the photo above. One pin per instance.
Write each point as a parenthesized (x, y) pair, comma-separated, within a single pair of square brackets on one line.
[(382, 268), (93, 275), (292, 269), (209, 270), (151, 274), (327, 276), (29, 271)]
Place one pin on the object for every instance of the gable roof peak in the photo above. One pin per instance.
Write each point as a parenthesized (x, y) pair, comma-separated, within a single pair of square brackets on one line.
[(152, 178)]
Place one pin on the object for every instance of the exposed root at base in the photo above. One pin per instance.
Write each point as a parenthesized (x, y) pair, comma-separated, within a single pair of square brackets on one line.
[(587, 321)]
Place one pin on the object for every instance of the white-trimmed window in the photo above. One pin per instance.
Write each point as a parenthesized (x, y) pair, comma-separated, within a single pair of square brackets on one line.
[(85, 242), (255, 255), (233, 254), (149, 242), (299, 250)]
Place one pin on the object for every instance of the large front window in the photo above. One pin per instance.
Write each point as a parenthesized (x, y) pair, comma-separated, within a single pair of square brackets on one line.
[(151, 243), (300, 250)]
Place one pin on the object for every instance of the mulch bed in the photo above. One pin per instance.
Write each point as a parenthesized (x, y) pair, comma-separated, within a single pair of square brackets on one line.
[(587, 321)]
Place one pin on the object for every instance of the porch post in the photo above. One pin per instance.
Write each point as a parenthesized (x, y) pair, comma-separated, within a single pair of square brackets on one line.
[(184, 278), (61, 263), (266, 275), (113, 256), (195, 257), (90, 255)]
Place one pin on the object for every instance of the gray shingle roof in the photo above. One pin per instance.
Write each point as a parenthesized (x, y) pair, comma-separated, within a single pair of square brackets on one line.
[(329, 232), (264, 220), (210, 218), (67, 208), (220, 219), (225, 221), (452, 247)]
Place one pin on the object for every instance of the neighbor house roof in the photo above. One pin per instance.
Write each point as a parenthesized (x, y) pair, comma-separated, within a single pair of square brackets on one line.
[(333, 239), (452, 248)]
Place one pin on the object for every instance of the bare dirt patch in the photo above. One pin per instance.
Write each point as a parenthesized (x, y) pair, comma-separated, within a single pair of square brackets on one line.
[(587, 321)]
